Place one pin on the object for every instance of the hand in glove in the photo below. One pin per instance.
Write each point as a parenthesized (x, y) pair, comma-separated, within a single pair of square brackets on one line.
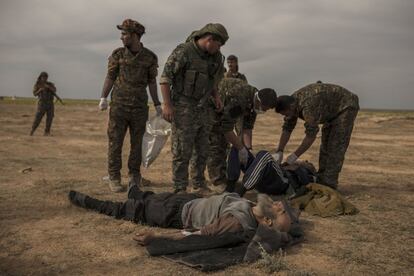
[(278, 156), (243, 156), (291, 159), (158, 109), (103, 104)]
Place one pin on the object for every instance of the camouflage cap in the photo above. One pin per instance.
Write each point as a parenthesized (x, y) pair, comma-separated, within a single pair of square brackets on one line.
[(215, 29), (132, 26)]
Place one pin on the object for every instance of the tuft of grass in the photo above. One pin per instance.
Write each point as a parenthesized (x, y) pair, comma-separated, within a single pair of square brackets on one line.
[(271, 263)]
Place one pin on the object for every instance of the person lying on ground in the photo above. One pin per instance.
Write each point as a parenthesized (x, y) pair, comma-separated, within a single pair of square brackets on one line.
[(215, 215), (267, 176)]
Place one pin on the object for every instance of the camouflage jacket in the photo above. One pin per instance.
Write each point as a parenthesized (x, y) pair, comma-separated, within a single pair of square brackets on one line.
[(319, 103), (237, 97), (132, 74), (238, 75), (192, 73), (45, 93)]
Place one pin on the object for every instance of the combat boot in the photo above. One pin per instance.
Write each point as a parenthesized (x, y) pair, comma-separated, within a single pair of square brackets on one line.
[(180, 191), (219, 186), (201, 190), (145, 182), (134, 180), (115, 185)]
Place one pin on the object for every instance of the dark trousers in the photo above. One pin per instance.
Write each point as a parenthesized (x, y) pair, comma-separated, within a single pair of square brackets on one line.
[(234, 167), (261, 173), (162, 210), (41, 111)]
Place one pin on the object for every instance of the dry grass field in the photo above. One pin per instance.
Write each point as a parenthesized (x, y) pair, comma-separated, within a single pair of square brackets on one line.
[(42, 234)]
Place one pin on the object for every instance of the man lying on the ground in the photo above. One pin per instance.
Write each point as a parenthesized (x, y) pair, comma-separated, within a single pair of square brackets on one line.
[(267, 176), (214, 215)]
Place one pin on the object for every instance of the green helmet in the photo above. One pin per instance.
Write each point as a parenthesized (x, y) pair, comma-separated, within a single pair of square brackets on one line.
[(211, 28)]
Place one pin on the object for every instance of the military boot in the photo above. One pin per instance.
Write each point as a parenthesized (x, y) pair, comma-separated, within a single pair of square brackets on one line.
[(145, 182), (115, 185), (201, 190), (219, 186), (134, 180), (180, 190)]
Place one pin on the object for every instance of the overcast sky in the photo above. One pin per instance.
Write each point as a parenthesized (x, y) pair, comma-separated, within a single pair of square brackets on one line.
[(365, 46)]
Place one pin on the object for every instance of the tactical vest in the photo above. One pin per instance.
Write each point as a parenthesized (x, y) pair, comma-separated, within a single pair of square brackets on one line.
[(195, 83)]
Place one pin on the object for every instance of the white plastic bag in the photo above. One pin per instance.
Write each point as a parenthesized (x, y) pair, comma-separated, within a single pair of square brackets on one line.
[(155, 137)]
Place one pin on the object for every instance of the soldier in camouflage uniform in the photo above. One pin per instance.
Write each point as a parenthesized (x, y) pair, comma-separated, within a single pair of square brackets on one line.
[(130, 70), (241, 102), (217, 172), (233, 72), (189, 79), (320, 103), (46, 92)]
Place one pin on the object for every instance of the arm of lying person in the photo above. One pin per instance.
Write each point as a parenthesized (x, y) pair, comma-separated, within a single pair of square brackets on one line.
[(145, 237)]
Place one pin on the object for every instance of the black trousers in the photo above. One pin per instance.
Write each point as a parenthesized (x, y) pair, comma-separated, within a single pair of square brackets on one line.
[(162, 210), (41, 111)]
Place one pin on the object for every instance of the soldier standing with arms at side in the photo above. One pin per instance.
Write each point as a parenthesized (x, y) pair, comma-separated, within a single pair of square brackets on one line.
[(45, 91), (130, 70), (320, 103), (190, 77)]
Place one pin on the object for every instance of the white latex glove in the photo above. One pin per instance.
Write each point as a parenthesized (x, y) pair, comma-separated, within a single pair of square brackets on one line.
[(158, 109), (278, 156), (103, 104), (291, 159), (243, 156)]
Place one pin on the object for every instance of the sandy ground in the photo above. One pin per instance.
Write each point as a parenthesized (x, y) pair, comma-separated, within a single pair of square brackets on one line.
[(42, 234)]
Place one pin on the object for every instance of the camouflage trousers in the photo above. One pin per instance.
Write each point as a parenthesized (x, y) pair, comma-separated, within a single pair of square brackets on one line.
[(189, 141), (120, 120), (49, 110), (335, 140), (218, 150)]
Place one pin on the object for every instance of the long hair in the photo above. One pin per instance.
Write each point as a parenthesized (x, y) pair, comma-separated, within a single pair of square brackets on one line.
[(43, 74)]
